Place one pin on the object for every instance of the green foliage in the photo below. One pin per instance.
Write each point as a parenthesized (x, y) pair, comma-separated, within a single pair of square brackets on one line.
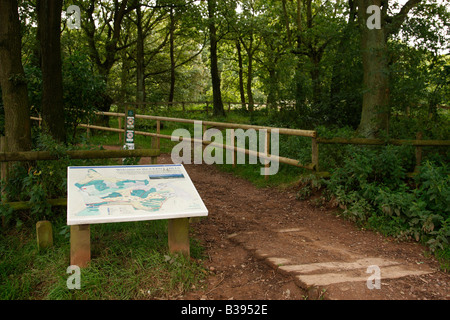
[(83, 90), (373, 189), (39, 181)]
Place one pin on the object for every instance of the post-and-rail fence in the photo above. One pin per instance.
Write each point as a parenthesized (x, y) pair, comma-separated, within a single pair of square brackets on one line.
[(5, 156)]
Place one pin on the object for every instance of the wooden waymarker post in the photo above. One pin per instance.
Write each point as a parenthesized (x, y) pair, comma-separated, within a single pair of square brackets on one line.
[(129, 129), (105, 194), (44, 234)]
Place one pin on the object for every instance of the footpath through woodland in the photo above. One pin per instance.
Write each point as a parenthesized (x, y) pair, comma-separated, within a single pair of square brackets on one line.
[(265, 244)]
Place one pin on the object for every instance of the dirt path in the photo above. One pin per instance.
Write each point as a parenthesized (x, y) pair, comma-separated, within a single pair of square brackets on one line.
[(265, 244)]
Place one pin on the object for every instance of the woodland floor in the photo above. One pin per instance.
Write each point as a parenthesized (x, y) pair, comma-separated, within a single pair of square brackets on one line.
[(265, 244)]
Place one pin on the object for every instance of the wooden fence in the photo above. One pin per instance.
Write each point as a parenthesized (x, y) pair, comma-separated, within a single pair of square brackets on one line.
[(315, 140), (91, 154)]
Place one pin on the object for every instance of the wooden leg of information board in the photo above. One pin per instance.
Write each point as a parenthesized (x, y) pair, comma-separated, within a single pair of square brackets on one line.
[(179, 236), (80, 245)]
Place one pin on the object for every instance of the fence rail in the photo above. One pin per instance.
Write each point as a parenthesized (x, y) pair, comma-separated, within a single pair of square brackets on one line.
[(315, 140), (397, 142)]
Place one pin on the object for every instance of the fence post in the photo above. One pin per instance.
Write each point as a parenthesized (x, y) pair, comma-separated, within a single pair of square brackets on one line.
[(158, 130), (233, 152), (315, 153), (267, 148), (88, 130), (155, 141), (120, 127)]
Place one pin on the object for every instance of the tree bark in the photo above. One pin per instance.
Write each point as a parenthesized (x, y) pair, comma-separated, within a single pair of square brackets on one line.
[(215, 76), (49, 31), (140, 63), (172, 56), (241, 74), (375, 108), (12, 80)]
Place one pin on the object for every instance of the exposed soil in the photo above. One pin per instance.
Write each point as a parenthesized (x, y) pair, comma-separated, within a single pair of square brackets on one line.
[(259, 242)]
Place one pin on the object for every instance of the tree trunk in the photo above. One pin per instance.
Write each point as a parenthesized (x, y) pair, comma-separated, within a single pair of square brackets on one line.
[(241, 74), (375, 108), (172, 56), (140, 64), (273, 89), (315, 78), (49, 31), (215, 76), (12, 80), (251, 104)]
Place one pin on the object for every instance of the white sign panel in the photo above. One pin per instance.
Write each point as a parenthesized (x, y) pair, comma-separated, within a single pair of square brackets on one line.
[(104, 194)]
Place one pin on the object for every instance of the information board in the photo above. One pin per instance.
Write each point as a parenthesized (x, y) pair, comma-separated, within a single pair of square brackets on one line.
[(101, 194)]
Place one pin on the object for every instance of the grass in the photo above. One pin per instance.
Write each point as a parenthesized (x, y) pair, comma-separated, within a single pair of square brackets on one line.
[(129, 261)]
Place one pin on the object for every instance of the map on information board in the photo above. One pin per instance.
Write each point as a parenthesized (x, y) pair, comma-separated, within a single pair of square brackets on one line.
[(103, 194)]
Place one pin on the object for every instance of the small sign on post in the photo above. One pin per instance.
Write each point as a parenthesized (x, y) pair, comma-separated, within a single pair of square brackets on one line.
[(129, 132)]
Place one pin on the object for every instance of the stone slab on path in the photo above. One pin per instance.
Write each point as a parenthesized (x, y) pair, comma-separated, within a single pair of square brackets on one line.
[(342, 276)]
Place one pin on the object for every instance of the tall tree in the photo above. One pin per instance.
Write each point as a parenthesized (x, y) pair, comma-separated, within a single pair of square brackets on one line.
[(102, 24), (49, 35), (12, 79), (218, 109), (375, 109)]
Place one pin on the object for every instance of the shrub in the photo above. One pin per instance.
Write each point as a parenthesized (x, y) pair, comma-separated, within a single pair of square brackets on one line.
[(373, 189)]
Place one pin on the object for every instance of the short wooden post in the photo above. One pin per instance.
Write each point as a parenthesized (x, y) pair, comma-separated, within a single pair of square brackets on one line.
[(44, 234), (120, 133), (158, 131), (88, 130), (154, 159), (233, 151), (178, 230), (80, 245), (125, 124), (315, 154), (267, 148)]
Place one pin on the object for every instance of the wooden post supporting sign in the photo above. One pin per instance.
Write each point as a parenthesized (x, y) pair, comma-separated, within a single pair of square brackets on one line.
[(80, 245), (179, 236)]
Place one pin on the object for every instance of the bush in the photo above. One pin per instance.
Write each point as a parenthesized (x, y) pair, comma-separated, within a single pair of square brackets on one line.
[(373, 189)]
